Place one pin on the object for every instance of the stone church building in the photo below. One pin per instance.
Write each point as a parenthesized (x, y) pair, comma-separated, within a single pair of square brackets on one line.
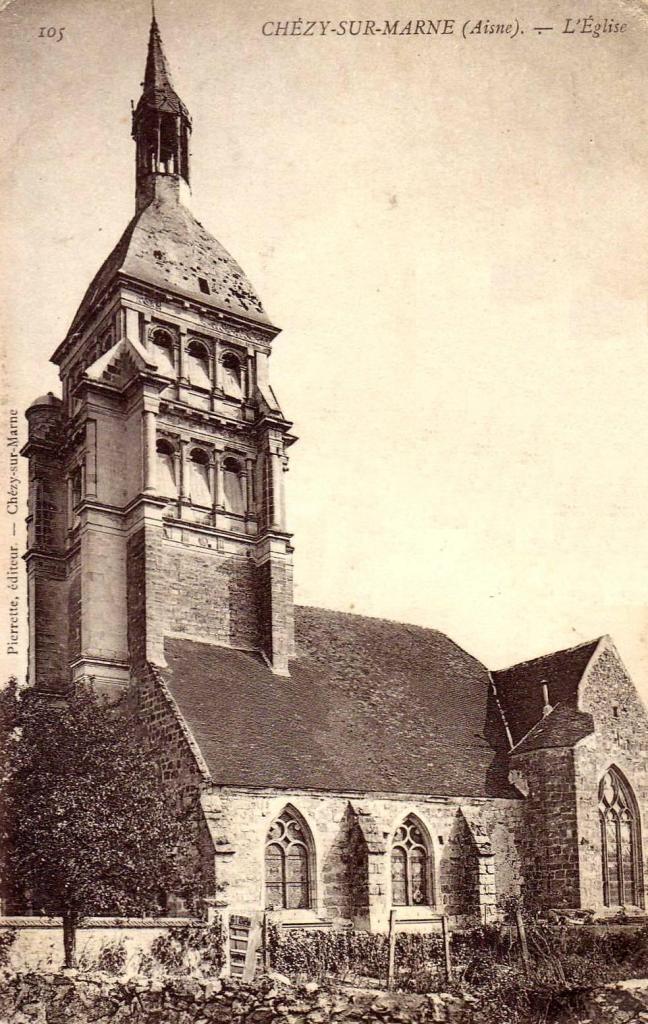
[(347, 767)]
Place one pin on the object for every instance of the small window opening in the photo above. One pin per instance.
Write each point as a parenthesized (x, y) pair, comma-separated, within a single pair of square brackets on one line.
[(199, 478), (204, 285)]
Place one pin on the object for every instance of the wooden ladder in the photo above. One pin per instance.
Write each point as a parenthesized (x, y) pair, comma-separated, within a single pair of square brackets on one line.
[(244, 945)]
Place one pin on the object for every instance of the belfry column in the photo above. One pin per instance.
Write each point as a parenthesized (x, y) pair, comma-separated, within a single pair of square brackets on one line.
[(148, 447)]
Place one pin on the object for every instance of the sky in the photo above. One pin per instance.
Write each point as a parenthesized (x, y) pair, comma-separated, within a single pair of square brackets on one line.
[(451, 234)]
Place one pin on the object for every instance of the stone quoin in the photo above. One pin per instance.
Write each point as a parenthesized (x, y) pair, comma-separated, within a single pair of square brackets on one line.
[(347, 767)]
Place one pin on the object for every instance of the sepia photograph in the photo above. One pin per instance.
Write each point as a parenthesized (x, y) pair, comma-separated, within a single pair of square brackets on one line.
[(324, 361)]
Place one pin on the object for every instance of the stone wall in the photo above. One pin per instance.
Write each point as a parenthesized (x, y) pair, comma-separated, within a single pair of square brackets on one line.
[(49, 629), (38, 943), (621, 739), (473, 855), (100, 998), (180, 764), (548, 841), (210, 595)]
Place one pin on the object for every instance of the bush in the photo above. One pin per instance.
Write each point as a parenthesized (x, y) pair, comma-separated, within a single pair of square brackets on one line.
[(111, 958), (565, 963), (7, 939), (188, 948), (301, 953)]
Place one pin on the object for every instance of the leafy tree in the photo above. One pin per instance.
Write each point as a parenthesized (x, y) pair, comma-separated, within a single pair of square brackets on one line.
[(89, 828)]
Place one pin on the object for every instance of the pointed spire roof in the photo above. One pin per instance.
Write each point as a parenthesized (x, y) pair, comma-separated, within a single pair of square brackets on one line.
[(158, 89)]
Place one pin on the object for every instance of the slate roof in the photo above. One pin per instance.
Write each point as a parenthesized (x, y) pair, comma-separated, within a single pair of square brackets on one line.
[(519, 688), (166, 246), (158, 90), (370, 705), (564, 727)]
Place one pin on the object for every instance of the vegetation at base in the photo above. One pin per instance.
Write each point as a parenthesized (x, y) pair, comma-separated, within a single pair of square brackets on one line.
[(85, 822), (7, 939), (565, 964), (189, 950), (111, 958)]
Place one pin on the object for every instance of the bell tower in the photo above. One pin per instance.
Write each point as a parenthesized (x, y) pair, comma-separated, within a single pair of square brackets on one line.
[(156, 502)]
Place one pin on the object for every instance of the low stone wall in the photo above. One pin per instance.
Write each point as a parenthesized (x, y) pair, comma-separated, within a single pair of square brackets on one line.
[(77, 999), (38, 944)]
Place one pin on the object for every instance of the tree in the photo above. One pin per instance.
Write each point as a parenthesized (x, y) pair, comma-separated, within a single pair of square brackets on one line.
[(88, 826)]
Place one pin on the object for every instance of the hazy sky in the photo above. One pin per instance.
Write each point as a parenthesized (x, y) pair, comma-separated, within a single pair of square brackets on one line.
[(451, 233)]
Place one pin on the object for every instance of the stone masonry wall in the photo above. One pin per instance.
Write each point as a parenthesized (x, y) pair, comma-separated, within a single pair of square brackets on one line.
[(50, 632), (275, 611), (239, 823), (210, 594), (621, 739), (172, 747), (549, 839)]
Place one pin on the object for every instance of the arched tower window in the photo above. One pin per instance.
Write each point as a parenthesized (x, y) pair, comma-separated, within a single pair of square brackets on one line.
[(163, 350), (411, 859), (289, 862), (232, 375), (198, 365), (199, 487), (620, 841), (233, 486), (167, 484)]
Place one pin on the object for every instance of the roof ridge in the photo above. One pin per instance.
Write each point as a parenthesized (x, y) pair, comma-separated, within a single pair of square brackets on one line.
[(373, 618), (551, 654)]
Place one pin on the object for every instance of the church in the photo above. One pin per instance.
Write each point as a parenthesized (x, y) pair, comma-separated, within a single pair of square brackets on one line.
[(348, 770)]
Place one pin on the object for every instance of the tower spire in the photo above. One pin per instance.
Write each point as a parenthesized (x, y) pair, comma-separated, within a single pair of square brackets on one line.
[(161, 123)]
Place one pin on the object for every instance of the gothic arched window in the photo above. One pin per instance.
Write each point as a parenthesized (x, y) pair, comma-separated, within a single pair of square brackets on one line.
[(163, 349), (234, 486), (167, 484), (232, 375), (620, 841), (199, 485), (198, 365), (410, 865), (288, 860)]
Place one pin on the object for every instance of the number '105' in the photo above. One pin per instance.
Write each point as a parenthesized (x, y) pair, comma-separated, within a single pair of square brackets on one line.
[(51, 33)]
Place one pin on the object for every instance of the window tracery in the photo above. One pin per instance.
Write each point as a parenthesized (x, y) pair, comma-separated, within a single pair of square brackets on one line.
[(288, 855), (620, 841), (410, 865)]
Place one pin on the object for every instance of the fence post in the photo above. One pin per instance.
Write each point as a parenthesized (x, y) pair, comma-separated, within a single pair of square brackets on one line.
[(523, 939), (392, 950), (446, 948), (264, 939)]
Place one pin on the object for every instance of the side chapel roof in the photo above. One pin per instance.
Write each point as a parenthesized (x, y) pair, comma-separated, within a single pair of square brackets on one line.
[(519, 688)]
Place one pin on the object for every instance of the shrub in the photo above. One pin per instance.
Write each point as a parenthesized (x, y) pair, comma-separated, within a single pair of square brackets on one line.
[(187, 948), (7, 939), (111, 958)]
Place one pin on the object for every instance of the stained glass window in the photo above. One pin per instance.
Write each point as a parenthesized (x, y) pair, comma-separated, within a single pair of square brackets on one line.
[(410, 865), (287, 863), (620, 841)]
